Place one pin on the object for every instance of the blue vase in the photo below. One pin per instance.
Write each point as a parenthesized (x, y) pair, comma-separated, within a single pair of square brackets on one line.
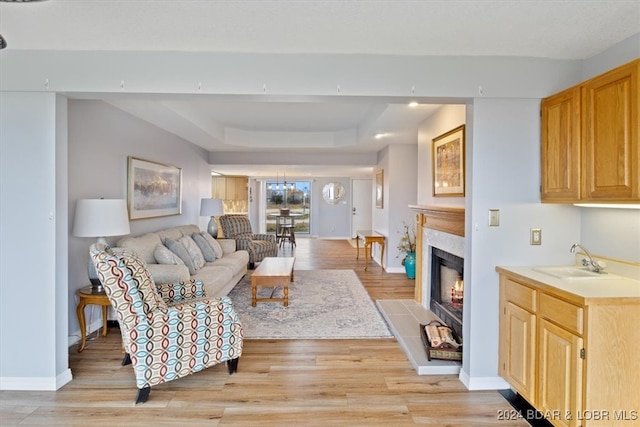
[(410, 265)]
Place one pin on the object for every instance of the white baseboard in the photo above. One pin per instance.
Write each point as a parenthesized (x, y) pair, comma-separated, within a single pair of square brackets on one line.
[(482, 383), (395, 270), (36, 383)]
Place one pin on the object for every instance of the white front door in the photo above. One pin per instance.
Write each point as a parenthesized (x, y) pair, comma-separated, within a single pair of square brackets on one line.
[(361, 205)]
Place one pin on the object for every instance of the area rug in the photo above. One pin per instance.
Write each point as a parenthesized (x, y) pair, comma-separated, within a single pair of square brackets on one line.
[(323, 304)]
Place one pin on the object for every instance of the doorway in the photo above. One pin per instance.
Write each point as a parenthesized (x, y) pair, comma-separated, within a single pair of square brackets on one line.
[(361, 199), (292, 195)]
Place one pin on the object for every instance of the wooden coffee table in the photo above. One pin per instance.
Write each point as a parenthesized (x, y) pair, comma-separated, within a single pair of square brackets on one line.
[(272, 272)]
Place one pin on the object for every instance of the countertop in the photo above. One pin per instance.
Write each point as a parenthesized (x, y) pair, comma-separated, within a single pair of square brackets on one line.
[(581, 291)]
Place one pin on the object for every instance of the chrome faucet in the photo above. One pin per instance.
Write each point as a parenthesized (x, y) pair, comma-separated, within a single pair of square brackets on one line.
[(591, 264)]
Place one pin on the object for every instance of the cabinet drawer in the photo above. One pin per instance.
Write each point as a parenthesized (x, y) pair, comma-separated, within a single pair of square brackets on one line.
[(520, 295), (565, 314)]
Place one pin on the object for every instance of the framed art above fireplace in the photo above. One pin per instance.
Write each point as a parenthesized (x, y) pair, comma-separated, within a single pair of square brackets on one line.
[(448, 164)]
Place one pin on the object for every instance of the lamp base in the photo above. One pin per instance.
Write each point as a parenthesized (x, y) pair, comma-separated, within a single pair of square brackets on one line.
[(96, 286), (212, 228)]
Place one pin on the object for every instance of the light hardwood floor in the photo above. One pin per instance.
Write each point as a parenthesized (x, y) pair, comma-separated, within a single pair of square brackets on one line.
[(279, 382)]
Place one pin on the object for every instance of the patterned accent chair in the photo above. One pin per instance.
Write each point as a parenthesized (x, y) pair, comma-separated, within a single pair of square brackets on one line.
[(259, 246), (168, 331)]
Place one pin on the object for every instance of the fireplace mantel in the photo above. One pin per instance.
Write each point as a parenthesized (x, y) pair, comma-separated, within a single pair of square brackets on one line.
[(442, 218)]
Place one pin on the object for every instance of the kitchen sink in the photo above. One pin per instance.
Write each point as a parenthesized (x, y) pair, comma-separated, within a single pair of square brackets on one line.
[(574, 273)]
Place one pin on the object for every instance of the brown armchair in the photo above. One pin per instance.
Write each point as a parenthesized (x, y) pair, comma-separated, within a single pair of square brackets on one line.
[(259, 246)]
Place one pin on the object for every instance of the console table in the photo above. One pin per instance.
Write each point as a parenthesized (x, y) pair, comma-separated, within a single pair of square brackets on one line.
[(369, 237)]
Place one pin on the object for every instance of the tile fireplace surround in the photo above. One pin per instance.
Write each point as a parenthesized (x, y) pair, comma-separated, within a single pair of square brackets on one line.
[(442, 228)]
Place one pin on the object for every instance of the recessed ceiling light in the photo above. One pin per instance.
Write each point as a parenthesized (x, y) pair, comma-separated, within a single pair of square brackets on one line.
[(379, 135), (413, 104)]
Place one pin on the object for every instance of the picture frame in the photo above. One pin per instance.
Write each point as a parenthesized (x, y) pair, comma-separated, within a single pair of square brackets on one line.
[(153, 189), (448, 163), (380, 189)]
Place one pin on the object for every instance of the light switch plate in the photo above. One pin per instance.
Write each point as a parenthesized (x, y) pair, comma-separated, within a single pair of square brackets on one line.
[(494, 217), (536, 236)]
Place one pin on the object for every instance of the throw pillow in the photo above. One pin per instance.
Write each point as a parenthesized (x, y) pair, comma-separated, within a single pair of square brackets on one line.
[(179, 249), (194, 251), (207, 251), (164, 256), (214, 244)]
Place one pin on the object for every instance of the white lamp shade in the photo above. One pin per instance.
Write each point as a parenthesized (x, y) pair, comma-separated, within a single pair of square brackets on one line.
[(101, 217), (211, 207)]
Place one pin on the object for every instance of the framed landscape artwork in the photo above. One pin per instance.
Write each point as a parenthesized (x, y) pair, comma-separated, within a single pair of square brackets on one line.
[(448, 164), (153, 189), (380, 189)]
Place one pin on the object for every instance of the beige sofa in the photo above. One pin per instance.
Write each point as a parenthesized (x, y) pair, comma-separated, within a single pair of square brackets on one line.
[(219, 276)]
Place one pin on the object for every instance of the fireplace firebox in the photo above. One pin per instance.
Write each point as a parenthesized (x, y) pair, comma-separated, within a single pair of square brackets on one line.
[(447, 288)]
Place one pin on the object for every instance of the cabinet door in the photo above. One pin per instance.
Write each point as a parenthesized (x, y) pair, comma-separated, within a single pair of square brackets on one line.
[(231, 188), (241, 188), (237, 188), (560, 147), (610, 135), (218, 187), (517, 350), (559, 374)]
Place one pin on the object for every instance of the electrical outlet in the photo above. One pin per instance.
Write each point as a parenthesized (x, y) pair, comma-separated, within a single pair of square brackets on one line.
[(536, 236), (494, 217)]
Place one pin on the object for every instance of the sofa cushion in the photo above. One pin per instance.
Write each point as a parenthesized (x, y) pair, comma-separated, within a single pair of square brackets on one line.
[(194, 251), (216, 280), (217, 249), (175, 233), (207, 251), (163, 255), (228, 245), (143, 246), (179, 249), (236, 262)]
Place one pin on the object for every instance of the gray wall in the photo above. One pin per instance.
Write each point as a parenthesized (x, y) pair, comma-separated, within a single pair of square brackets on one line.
[(400, 191), (100, 139), (614, 233), (33, 180)]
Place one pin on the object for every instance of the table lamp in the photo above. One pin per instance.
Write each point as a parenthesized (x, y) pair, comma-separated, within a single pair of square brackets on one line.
[(100, 218), (212, 208)]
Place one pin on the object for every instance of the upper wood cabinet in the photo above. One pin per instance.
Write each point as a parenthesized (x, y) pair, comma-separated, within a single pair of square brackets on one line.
[(218, 187), (610, 135), (590, 140), (229, 187), (236, 188), (560, 155)]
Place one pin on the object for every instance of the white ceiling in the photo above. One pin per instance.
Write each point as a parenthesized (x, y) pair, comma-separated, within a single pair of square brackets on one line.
[(559, 29)]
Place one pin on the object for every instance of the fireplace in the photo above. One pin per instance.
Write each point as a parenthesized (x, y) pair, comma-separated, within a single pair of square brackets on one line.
[(447, 288)]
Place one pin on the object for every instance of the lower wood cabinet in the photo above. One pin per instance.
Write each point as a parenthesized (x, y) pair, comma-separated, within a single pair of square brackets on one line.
[(559, 372), (518, 361), (575, 359)]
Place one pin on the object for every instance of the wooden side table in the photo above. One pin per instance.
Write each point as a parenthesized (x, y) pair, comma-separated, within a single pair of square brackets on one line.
[(369, 237), (87, 296)]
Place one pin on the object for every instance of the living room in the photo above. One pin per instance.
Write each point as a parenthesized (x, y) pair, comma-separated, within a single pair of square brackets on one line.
[(76, 146)]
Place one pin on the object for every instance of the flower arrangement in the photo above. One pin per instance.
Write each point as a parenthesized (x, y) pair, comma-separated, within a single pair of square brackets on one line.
[(407, 242)]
